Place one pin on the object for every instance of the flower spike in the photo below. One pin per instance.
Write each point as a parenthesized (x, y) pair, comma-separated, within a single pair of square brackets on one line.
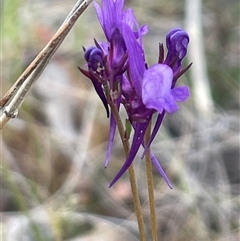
[(121, 76)]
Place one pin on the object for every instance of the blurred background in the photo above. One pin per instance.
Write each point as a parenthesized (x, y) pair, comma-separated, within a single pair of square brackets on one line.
[(53, 182)]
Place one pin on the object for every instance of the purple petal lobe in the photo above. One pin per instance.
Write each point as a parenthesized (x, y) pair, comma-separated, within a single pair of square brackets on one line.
[(130, 19), (99, 14), (110, 15), (180, 93), (135, 58), (156, 88), (170, 104)]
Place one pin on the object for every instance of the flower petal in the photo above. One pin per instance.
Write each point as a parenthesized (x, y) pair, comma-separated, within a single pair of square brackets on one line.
[(170, 104), (156, 88), (135, 58), (180, 93), (99, 14), (110, 15), (130, 19)]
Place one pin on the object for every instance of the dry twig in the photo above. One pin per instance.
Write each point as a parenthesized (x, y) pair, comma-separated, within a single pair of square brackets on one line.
[(13, 99)]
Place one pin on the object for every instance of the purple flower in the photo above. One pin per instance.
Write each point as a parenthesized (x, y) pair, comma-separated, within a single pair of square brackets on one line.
[(157, 92), (119, 73), (110, 16), (114, 20), (177, 41), (148, 91)]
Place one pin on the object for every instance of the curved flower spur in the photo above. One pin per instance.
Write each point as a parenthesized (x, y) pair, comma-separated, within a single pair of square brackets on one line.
[(120, 75)]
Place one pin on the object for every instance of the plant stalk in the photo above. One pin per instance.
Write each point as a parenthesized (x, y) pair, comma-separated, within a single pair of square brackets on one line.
[(136, 200), (151, 187)]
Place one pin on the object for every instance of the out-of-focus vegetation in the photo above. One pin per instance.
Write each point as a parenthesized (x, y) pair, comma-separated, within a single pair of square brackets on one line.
[(53, 182)]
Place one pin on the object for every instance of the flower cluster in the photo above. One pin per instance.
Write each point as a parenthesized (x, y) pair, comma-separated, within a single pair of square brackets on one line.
[(120, 75)]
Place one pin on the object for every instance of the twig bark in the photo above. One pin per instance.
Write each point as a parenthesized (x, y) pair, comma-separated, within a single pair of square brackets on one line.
[(13, 99)]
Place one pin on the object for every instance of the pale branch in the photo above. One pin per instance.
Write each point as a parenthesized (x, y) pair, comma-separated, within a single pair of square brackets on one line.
[(13, 99)]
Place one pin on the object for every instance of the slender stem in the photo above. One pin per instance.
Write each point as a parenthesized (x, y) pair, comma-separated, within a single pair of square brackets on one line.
[(151, 187), (13, 99), (137, 203), (136, 200)]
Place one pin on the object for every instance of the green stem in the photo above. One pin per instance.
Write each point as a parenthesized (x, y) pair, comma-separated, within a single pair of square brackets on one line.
[(151, 187), (136, 200)]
